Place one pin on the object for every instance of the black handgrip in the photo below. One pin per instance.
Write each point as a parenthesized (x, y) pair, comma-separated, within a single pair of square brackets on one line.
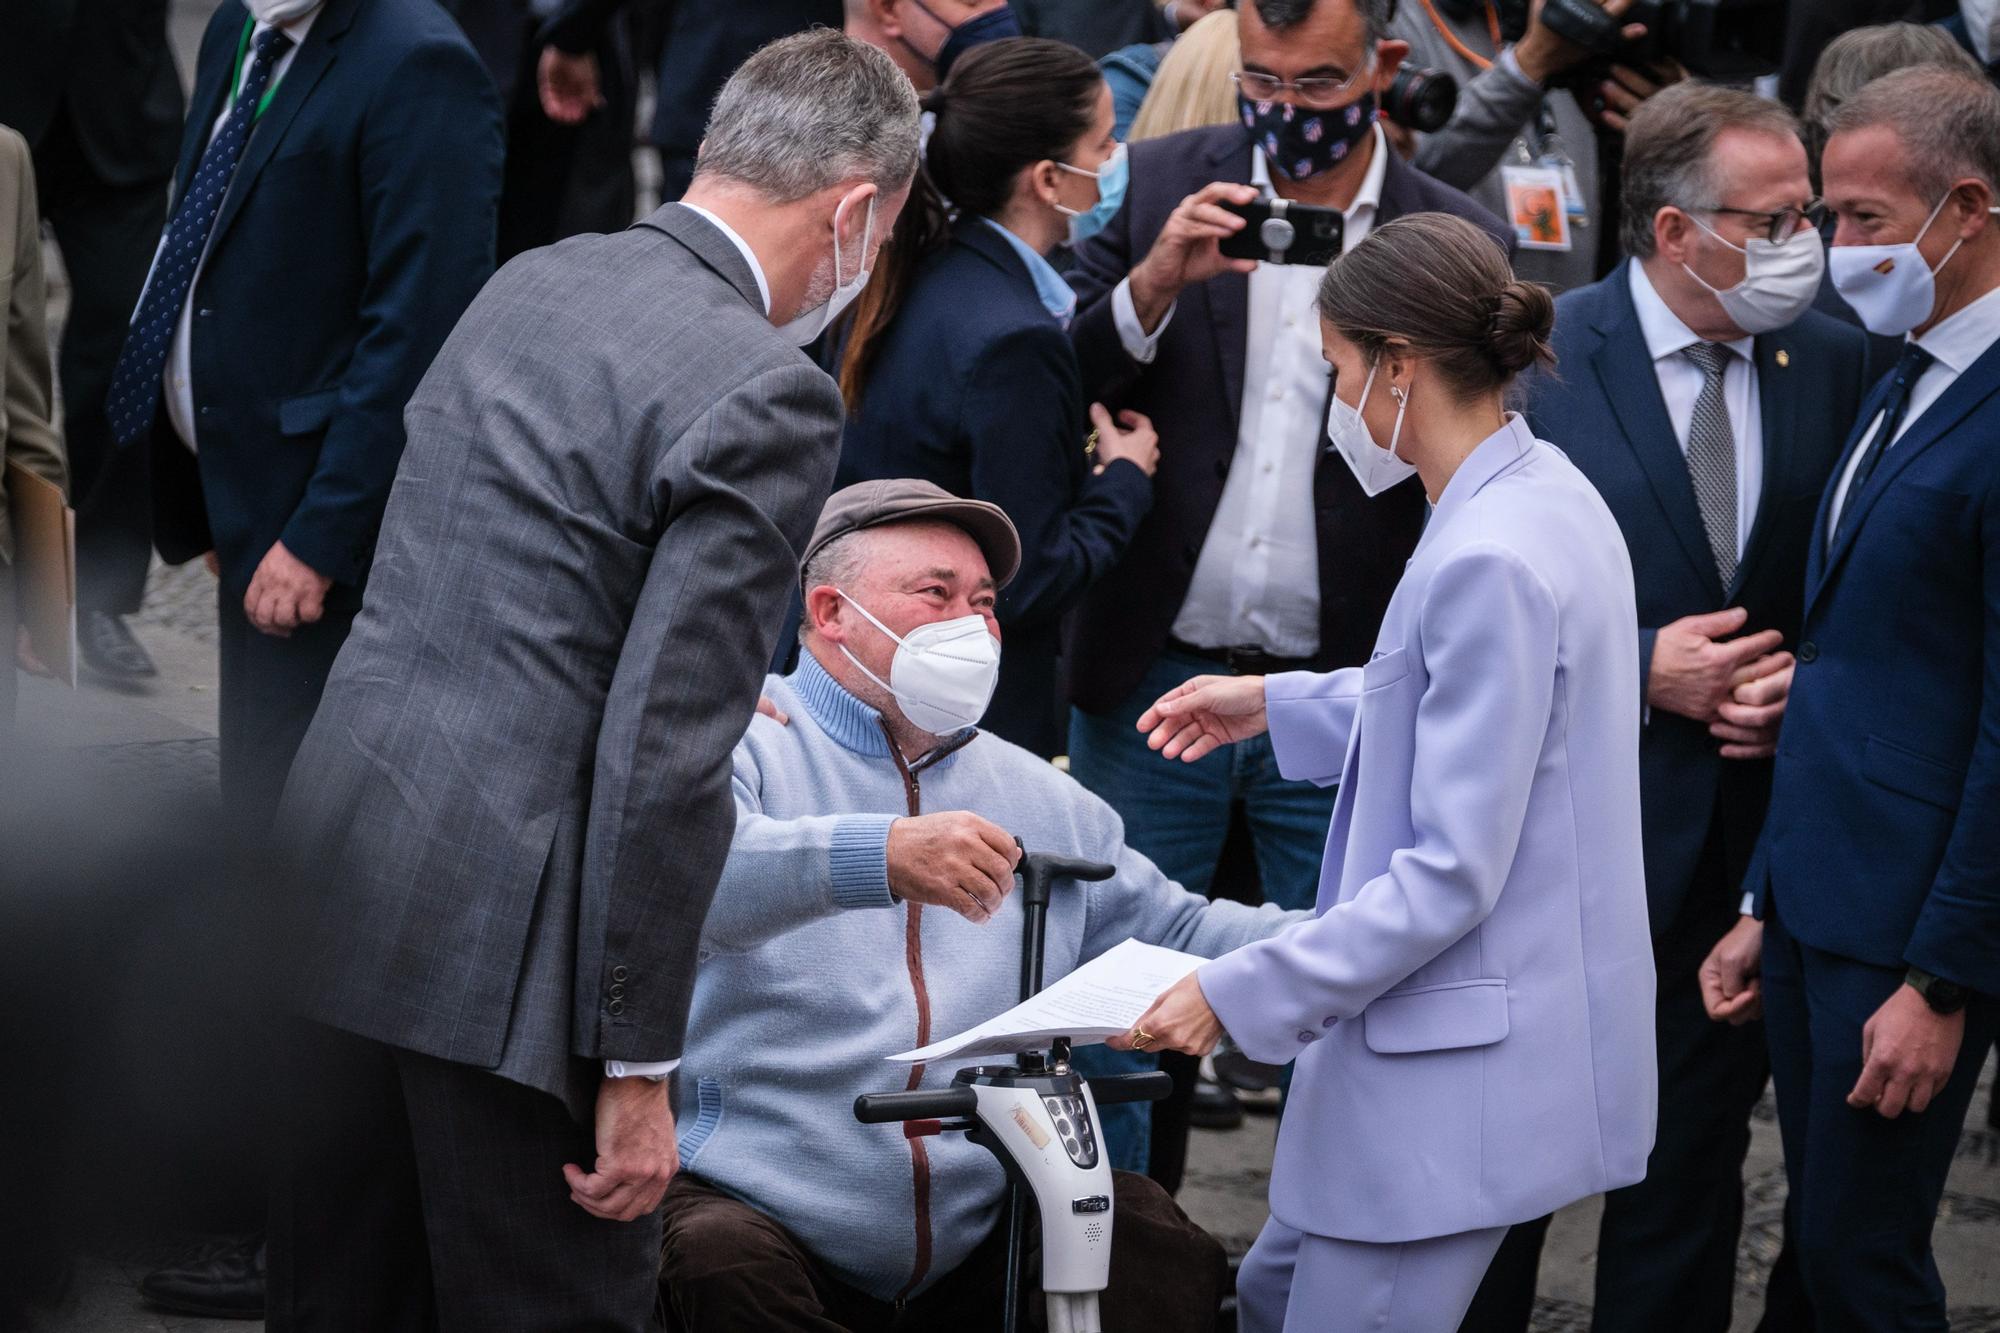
[(882, 1108), (1039, 870), (1150, 1086)]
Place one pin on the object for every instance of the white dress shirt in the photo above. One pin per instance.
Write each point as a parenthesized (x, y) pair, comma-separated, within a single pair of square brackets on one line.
[(1680, 384), (1256, 581), (177, 379), (743, 247), (1956, 343)]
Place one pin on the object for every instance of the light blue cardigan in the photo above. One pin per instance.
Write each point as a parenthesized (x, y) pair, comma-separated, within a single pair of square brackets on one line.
[(805, 981)]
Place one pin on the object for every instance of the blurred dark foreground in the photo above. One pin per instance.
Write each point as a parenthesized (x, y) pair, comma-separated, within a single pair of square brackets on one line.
[(138, 997)]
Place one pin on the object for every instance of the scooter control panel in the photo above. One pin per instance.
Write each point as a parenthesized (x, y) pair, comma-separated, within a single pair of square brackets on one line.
[(1071, 1117)]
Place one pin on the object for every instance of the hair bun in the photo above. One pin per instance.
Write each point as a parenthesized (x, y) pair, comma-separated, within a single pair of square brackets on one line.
[(1517, 336), (932, 101)]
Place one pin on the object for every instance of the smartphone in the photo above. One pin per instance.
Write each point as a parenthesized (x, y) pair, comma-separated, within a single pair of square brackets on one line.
[(1278, 231)]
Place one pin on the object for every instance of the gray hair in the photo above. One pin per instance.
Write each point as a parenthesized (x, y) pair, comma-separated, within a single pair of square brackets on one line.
[(834, 564), (1947, 119), (1861, 56), (811, 111), (1670, 151), (1278, 15)]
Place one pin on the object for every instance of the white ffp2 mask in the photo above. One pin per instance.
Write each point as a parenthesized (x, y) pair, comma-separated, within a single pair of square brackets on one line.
[(1376, 468), (943, 673)]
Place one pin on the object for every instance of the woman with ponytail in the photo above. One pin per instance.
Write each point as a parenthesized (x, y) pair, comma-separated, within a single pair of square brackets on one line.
[(1471, 1009), (958, 370)]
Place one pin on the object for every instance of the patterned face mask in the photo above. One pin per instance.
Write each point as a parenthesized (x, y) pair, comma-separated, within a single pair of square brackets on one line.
[(1299, 141)]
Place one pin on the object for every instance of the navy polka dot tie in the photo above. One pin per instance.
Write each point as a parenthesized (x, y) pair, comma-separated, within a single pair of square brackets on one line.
[(135, 383)]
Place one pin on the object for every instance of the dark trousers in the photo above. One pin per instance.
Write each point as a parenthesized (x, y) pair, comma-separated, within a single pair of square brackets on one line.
[(270, 690), (1864, 1189), (107, 234), (1666, 1257), (726, 1267), (418, 1194)]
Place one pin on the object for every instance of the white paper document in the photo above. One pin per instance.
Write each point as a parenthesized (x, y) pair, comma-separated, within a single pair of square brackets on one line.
[(1101, 999)]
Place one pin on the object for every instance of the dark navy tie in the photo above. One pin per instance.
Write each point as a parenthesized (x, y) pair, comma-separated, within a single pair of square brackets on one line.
[(1910, 368), (135, 382)]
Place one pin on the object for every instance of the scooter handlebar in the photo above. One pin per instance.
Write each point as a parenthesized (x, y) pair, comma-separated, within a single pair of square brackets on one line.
[(1151, 1086), (882, 1108)]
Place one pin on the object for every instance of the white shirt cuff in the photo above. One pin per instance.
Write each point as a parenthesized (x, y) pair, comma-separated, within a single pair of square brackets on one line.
[(1139, 345), (1512, 64), (1749, 907), (653, 1069)]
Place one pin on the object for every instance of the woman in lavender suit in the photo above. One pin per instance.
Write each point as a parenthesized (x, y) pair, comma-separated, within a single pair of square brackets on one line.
[(1471, 1009)]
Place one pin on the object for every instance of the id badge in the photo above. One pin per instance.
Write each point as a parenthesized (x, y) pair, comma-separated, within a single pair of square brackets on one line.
[(1579, 216), (1536, 207)]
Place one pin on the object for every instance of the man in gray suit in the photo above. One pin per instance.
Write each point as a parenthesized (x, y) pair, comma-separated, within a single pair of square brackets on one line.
[(516, 792)]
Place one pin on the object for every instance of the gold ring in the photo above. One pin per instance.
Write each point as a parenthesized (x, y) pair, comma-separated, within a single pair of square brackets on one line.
[(1141, 1039)]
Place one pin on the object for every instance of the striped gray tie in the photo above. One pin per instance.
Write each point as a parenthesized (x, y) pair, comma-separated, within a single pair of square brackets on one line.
[(1711, 457)]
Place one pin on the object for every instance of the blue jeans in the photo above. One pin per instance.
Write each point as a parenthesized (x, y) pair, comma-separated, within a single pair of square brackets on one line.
[(1178, 815)]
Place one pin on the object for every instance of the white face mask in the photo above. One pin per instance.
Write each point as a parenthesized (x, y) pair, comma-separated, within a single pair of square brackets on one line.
[(1890, 287), (809, 324), (1779, 281), (1982, 24), (1376, 468), (275, 12), (943, 673)]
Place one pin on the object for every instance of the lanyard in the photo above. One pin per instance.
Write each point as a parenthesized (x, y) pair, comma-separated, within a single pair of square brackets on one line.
[(1451, 38), (236, 74)]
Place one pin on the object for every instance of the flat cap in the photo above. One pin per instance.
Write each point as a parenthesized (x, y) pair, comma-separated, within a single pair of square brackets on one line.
[(870, 504)]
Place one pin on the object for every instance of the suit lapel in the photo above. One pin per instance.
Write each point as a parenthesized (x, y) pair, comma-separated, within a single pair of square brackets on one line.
[(210, 89), (1778, 407), (311, 62), (1980, 381), (1822, 519), (1625, 370), (1228, 295)]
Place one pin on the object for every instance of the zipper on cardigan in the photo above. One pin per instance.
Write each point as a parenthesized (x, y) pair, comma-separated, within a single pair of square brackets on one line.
[(913, 958)]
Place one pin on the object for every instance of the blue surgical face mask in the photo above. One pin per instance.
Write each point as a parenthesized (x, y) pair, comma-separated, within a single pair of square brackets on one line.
[(1111, 179), (991, 26)]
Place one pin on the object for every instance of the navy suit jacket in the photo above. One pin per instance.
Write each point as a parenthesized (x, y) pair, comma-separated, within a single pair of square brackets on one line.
[(1193, 391), (1603, 408), (974, 387), (1883, 839), (358, 226)]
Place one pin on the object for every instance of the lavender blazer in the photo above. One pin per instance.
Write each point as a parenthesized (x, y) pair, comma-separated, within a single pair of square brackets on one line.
[(1472, 1007)]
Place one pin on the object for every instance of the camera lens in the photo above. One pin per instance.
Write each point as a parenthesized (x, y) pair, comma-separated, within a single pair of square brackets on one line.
[(1422, 99)]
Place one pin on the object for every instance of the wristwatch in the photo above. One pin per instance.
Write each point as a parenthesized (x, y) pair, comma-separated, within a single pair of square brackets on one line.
[(1944, 997)]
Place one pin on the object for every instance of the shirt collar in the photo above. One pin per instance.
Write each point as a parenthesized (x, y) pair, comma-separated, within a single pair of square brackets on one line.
[(1058, 298), (1664, 332), (851, 724), (743, 248), (1369, 196), (1964, 337)]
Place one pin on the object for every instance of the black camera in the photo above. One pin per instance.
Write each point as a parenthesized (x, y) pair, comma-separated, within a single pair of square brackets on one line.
[(1278, 231), (1421, 99), (1729, 40)]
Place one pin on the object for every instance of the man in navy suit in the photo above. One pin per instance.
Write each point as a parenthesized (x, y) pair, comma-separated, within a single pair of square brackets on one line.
[(335, 214), (1261, 553), (1874, 949), (1706, 401)]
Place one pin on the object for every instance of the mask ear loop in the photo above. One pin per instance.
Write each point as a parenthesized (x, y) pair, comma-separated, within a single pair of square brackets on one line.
[(1402, 398)]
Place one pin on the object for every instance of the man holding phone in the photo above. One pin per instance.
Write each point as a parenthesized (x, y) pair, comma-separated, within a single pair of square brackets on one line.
[(1261, 553)]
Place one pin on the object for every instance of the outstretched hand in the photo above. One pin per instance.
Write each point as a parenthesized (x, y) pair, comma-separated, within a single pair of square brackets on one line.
[(1196, 719), (1179, 1020)]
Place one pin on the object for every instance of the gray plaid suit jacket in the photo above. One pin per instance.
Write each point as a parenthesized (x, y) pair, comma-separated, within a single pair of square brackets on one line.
[(515, 795)]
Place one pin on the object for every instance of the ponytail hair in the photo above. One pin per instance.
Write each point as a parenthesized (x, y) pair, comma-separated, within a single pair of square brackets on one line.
[(1005, 106)]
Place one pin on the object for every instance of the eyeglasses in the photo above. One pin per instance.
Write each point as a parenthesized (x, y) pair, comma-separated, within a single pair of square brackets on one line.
[(1780, 224), (1318, 94)]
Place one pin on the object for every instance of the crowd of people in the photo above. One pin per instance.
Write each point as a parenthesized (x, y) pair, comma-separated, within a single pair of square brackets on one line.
[(1546, 659)]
